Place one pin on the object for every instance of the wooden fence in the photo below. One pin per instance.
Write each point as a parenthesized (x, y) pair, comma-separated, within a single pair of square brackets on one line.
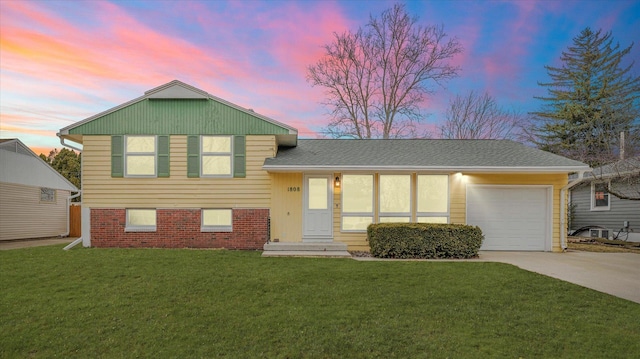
[(75, 227)]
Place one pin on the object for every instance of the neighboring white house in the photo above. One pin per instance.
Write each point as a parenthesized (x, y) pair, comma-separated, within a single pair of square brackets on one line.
[(33, 196)]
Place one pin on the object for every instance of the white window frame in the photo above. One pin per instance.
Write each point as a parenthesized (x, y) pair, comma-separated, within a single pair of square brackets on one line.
[(213, 228), (358, 214), (593, 197), (395, 214), (128, 154), (216, 154), (49, 197), (140, 228), (433, 214)]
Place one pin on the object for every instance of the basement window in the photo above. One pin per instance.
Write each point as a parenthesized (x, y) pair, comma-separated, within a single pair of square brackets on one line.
[(217, 220), (141, 220)]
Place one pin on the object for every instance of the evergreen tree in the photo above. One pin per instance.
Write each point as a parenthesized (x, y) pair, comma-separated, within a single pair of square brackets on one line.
[(591, 99), (66, 162)]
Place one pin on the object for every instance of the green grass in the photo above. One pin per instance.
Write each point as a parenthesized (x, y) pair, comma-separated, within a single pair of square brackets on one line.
[(197, 303)]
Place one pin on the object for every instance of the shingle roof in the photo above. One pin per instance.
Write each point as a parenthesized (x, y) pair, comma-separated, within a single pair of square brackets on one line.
[(618, 168), (397, 154)]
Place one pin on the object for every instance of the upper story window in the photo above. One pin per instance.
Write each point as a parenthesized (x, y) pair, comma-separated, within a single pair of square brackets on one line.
[(216, 155), (599, 196), (140, 156)]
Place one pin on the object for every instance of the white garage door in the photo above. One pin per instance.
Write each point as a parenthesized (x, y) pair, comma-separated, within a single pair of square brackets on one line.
[(511, 217)]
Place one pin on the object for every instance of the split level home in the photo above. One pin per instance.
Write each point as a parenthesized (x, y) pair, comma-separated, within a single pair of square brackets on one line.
[(34, 197), (178, 167)]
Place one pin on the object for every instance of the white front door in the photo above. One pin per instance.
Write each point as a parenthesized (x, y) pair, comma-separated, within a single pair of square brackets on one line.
[(318, 216)]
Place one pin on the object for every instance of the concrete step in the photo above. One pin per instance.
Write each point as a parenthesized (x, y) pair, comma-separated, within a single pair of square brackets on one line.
[(306, 249)]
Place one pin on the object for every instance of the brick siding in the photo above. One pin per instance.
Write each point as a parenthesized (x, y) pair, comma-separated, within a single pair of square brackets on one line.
[(180, 228)]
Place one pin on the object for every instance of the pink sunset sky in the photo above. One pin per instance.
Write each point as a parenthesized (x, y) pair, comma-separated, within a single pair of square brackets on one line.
[(63, 61)]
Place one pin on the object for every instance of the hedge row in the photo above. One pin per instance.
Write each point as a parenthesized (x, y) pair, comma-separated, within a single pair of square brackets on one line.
[(424, 240)]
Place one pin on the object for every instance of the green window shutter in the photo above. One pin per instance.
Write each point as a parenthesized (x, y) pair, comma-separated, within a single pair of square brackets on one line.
[(163, 156), (239, 157), (117, 156), (193, 156)]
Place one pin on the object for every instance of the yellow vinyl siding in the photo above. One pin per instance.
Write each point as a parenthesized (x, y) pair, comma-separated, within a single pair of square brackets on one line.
[(176, 191), (286, 207), (22, 215)]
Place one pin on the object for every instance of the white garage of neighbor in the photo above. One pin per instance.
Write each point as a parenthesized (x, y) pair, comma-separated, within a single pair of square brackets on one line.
[(512, 218)]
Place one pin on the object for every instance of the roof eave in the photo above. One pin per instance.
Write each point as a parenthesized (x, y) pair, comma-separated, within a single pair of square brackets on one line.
[(464, 169)]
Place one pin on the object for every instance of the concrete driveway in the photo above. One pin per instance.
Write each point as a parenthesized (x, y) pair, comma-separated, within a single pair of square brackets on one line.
[(617, 274)]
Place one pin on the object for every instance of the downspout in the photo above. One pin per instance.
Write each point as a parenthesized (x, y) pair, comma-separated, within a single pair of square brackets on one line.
[(563, 209), (79, 240)]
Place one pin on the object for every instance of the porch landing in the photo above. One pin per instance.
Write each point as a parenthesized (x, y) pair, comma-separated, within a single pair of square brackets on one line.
[(306, 249)]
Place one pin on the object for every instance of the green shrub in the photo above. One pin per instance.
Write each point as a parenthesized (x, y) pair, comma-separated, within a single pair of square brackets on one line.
[(424, 240)]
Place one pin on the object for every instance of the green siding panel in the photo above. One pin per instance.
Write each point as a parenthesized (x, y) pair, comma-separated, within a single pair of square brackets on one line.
[(178, 117), (117, 156), (163, 156)]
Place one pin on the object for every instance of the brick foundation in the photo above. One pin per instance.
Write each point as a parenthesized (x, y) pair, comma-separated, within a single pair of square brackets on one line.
[(180, 228)]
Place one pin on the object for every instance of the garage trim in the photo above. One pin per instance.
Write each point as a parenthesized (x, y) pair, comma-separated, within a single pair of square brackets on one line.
[(549, 208)]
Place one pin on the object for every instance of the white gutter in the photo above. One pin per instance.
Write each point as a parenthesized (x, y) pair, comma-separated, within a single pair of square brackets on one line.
[(66, 144), (563, 209)]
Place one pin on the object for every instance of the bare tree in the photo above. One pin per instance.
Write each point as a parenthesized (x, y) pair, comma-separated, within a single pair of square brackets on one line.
[(478, 116), (377, 79)]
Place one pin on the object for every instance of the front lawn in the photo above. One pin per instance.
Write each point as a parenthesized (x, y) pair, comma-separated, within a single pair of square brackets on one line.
[(91, 303)]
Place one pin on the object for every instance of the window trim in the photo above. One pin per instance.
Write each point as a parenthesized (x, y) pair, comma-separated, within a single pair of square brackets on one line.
[(229, 154), (371, 214), (139, 228), (128, 154), (593, 197), (213, 228)]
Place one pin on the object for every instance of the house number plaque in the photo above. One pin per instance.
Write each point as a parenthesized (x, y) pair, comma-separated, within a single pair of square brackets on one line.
[(293, 189)]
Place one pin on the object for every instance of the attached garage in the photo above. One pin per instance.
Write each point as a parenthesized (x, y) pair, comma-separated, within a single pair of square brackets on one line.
[(512, 218)]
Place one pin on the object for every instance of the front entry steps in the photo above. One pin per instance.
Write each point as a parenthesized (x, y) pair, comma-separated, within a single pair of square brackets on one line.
[(306, 249)]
